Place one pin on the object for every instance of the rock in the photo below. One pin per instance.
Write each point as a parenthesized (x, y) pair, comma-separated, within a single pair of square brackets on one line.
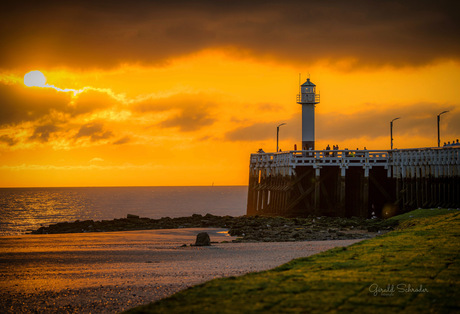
[(372, 229), (202, 239), (132, 216)]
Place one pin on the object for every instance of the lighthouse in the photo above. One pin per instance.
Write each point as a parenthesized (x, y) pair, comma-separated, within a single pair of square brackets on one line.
[(308, 99)]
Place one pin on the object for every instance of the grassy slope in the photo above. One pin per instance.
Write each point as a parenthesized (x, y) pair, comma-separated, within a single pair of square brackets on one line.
[(422, 252), (422, 213)]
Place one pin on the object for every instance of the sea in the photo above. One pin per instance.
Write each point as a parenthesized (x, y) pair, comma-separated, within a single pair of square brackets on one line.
[(25, 209)]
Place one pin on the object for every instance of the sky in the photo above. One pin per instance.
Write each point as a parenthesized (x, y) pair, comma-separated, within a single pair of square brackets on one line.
[(156, 93)]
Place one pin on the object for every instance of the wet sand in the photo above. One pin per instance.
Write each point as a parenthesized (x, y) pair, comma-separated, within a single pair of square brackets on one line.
[(109, 272)]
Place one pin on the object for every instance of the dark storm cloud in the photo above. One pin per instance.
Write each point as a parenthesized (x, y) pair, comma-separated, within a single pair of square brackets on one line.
[(95, 131), (107, 33), (416, 120)]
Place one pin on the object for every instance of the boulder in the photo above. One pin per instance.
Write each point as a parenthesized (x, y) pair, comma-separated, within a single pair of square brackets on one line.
[(372, 229), (202, 239)]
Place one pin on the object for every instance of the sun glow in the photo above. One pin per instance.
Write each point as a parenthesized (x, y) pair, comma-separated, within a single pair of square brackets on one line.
[(38, 79), (34, 78)]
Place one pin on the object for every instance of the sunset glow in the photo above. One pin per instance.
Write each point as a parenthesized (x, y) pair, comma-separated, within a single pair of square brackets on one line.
[(183, 98), (34, 78)]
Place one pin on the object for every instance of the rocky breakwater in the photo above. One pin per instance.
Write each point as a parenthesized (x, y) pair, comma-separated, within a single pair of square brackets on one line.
[(269, 229), (247, 229)]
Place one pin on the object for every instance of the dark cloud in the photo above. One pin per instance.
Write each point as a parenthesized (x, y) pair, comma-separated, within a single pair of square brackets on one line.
[(22, 104), (25, 104), (42, 133), (194, 111), (90, 101), (108, 33), (95, 131), (257, 131), (123, 140), (189, 119), (8, 140), (416, 120), (374, 121)]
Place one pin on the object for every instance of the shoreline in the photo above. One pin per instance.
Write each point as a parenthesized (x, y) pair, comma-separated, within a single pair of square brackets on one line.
[(244, 228), (109, 272)]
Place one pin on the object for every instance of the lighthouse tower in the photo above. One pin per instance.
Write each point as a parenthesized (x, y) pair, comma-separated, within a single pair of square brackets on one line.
[(308, 99)]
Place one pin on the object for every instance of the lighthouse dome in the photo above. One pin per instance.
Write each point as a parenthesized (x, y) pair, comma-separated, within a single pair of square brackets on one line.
[(308, 83), (307, 93)]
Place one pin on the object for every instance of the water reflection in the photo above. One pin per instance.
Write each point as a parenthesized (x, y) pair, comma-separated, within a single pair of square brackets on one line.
[(23, 209)]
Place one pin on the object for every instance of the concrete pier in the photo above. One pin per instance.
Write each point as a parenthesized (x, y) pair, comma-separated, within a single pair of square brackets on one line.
[(353, 182)]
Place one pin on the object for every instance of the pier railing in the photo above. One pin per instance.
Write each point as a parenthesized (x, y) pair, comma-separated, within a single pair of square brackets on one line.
[(319, 158), (431, 160)]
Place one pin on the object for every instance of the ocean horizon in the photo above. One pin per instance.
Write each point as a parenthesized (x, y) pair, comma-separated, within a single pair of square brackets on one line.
[(24, 209)]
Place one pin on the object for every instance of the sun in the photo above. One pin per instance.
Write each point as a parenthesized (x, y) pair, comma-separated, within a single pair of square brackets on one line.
[(34, 78)]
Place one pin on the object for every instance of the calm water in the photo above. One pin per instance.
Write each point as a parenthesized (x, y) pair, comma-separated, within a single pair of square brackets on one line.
[(23, 209)]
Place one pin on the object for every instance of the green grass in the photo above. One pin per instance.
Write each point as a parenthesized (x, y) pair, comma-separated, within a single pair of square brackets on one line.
[(422, 253), (422, 213)]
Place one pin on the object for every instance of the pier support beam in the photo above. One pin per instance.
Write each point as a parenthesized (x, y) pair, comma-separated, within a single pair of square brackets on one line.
[(364, 208), (341, 193), (317, 195)]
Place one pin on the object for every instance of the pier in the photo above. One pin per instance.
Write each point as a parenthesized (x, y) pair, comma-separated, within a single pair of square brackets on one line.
[(349, 183)]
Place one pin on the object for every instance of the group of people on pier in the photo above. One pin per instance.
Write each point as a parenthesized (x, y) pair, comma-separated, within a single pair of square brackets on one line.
[(454, 143)]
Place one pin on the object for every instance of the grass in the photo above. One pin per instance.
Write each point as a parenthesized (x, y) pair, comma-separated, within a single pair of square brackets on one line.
[(422, 213), (412, 269)]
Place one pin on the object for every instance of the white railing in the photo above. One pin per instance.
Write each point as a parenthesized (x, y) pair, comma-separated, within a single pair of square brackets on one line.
[(431, 160), (317, 158)]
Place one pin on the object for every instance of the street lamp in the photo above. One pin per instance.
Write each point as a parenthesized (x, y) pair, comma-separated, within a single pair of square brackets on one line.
[(439, 118), (278, 135), (391, 131)]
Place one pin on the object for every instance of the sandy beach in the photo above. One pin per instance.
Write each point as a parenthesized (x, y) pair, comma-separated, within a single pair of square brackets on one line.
[(109, 272)]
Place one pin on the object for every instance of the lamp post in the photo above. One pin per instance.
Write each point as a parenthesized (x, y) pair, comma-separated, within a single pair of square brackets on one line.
[(278, 135), (439, 118), (391, 131)]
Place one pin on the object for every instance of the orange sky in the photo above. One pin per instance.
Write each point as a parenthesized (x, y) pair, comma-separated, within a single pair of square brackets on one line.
[(182, 95)]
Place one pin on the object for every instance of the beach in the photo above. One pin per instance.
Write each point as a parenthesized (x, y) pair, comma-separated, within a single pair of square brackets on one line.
[(108, 272)]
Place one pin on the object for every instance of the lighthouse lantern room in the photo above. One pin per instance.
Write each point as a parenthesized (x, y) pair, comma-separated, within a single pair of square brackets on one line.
[(308, 99)]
